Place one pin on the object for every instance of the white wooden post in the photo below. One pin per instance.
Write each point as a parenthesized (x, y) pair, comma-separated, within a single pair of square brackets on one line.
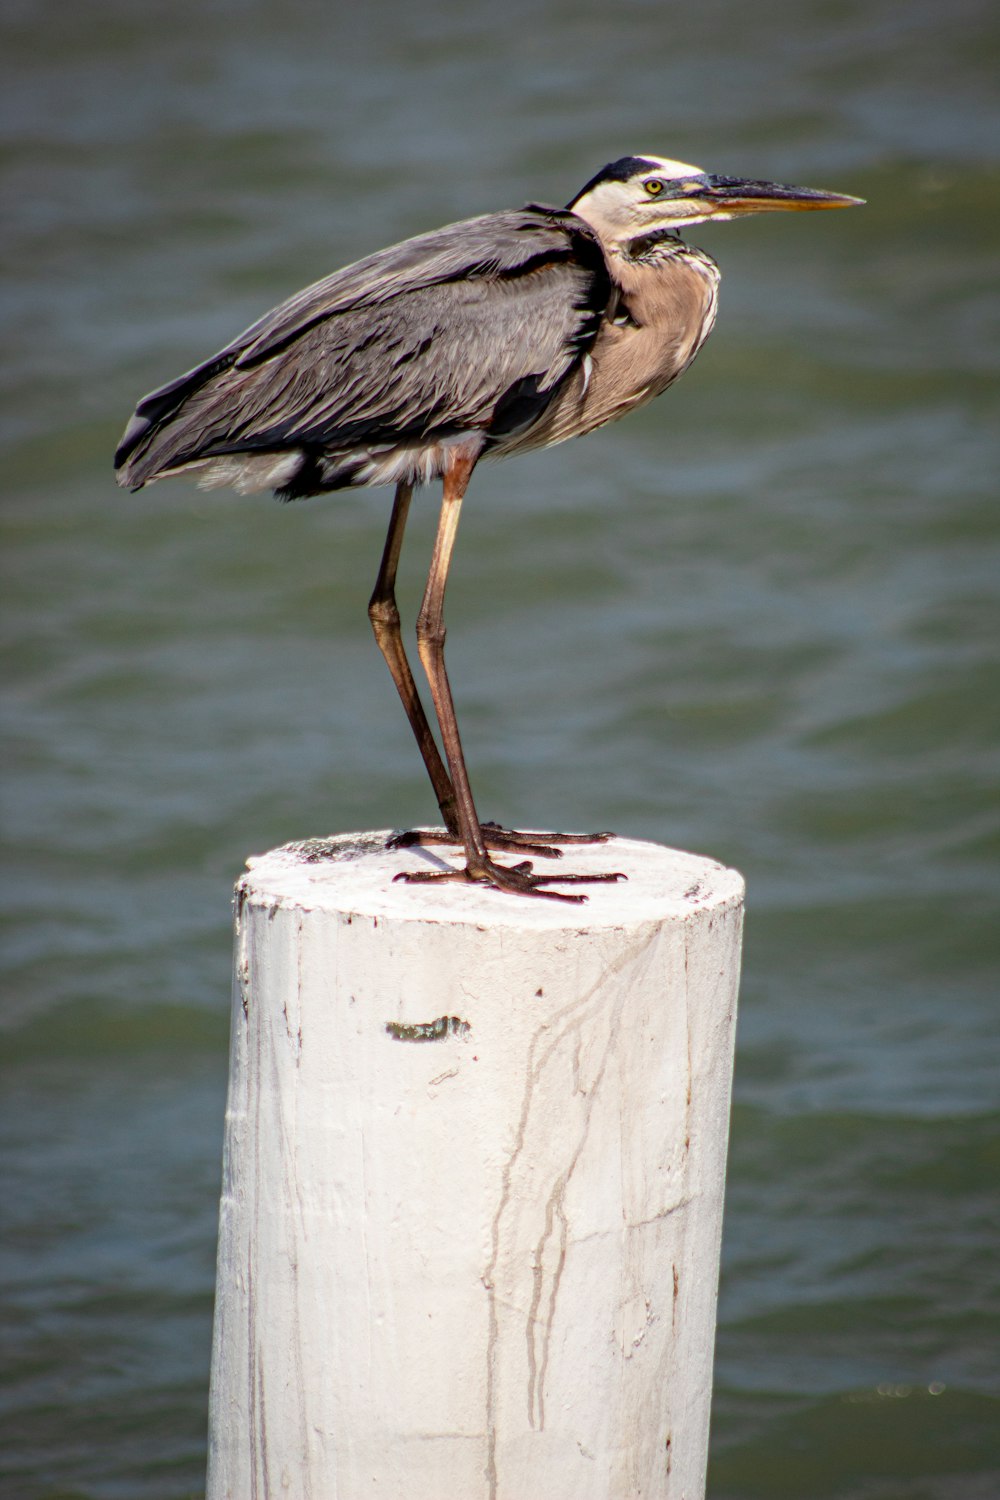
[(473, 1183)]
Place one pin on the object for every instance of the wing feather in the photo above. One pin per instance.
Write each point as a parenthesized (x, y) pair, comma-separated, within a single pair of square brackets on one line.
[(424, 338)]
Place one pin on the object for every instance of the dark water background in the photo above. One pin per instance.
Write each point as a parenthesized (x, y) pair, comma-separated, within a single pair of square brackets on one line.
[(761, 619)]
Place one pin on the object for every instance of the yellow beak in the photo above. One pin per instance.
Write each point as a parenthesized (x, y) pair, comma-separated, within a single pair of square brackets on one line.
[(725, 197)]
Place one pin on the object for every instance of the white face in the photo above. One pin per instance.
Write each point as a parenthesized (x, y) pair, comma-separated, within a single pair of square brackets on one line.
[(666, 168), (655, 194), (620, 210)]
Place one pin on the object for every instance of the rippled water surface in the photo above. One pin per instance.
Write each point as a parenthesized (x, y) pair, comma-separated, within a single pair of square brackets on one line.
[(759, 619)]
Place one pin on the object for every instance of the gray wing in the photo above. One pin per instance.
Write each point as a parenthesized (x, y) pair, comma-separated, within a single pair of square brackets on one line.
[(471, 326)]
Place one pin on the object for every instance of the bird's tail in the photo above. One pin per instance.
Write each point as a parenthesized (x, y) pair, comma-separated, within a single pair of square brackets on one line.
[(168, 428)]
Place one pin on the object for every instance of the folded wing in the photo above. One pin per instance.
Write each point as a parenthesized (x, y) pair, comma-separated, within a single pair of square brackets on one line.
[(470, 328)]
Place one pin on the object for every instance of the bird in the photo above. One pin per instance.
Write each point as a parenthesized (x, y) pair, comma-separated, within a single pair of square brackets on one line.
[(499, 334)]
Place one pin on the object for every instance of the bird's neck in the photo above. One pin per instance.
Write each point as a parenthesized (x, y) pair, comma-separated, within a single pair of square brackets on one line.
[(667, 285), (639, 264), (651, 246)]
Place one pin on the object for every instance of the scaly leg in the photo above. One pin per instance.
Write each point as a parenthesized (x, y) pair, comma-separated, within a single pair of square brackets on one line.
[(430, 643), (384, 615)]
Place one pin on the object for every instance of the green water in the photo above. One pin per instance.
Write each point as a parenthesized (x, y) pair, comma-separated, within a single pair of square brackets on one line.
[(760, 619)]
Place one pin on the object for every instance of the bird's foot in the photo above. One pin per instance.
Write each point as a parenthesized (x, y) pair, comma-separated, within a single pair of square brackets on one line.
[(519, 879), (495, 836)]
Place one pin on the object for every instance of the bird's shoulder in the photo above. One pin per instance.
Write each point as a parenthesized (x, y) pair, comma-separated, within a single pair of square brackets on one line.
[(496, 246), (549, 255)]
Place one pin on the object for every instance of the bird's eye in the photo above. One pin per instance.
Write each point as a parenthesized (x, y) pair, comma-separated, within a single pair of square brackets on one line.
[(653, 185)]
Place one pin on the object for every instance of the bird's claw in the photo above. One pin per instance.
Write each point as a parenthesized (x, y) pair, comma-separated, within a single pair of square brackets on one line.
[(519, 879), (495, 836)]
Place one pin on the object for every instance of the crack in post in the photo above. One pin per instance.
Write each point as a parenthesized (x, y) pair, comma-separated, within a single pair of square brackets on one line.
[(543, 1049)]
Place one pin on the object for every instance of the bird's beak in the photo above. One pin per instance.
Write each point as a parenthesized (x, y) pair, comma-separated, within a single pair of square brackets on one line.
[(727, 197)]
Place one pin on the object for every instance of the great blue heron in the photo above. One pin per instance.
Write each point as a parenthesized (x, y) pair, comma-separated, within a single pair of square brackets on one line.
[(489, 337)]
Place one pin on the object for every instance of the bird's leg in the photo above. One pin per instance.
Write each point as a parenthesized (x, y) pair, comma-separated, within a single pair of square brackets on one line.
[(384, 615), (430, 643)]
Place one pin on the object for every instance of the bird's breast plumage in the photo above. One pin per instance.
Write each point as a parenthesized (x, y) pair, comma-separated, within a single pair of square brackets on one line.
[(660, 316)]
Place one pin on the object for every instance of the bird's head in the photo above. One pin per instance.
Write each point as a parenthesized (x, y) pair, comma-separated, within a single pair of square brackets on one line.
[(639, 196)]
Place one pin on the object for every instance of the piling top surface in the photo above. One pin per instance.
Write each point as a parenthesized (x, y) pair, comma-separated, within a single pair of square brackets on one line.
[(356, 873)]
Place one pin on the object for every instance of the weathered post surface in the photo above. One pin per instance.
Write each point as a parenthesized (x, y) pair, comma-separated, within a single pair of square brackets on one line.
[(473, 1183)]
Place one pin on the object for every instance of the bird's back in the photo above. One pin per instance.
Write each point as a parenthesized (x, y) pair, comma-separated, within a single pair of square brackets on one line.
[(365, 377)]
